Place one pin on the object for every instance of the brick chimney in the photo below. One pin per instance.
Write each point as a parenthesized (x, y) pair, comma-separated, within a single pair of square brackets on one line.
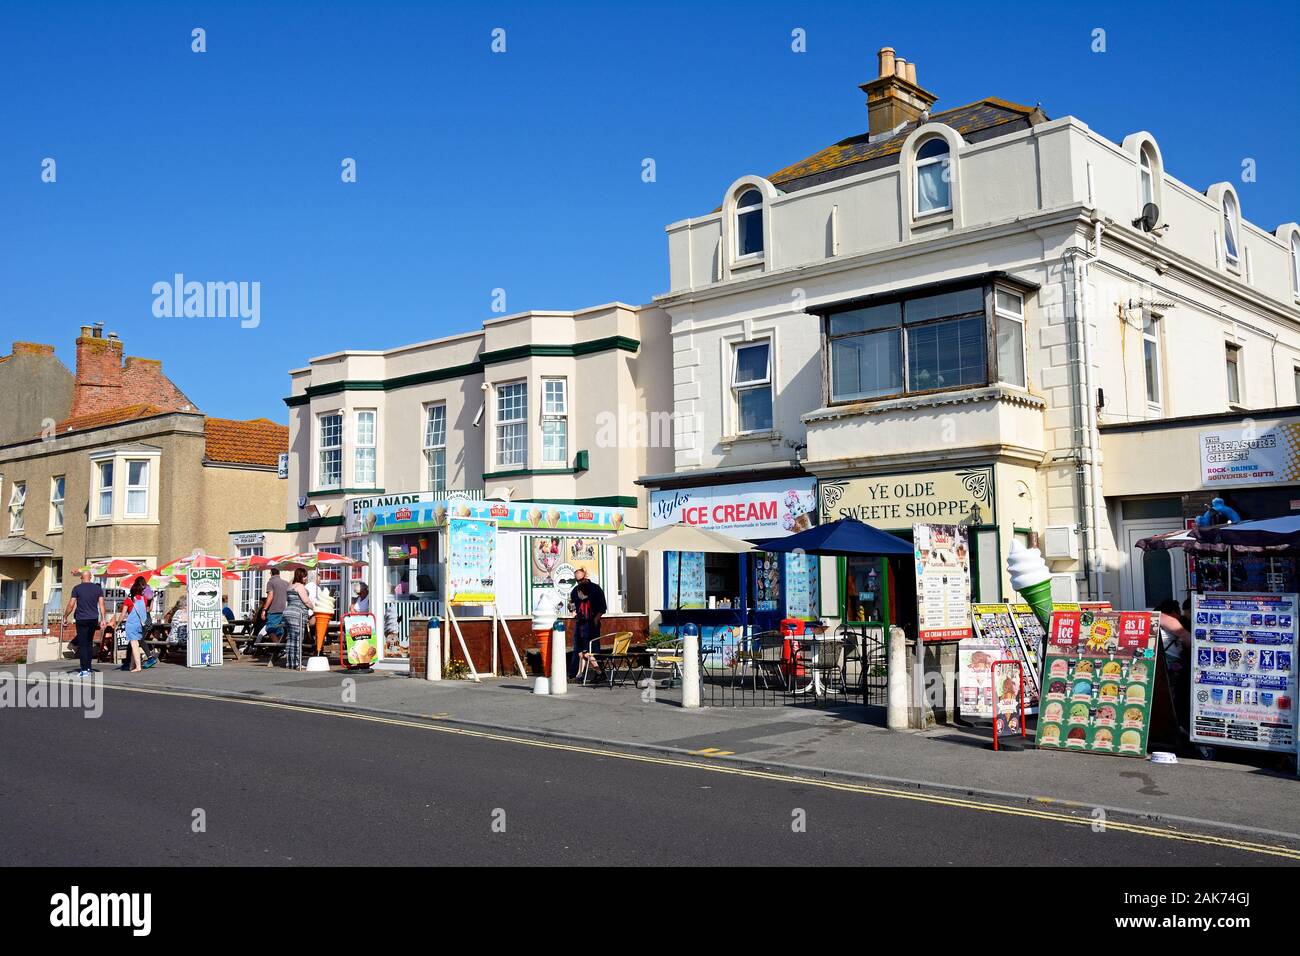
[(97, 386), (893, 97)]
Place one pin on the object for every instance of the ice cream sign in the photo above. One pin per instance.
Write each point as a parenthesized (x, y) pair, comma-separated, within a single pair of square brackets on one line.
[(764, 509)]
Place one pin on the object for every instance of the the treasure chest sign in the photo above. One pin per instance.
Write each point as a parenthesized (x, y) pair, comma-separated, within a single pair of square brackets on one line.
[(1098, 677), (360, 640)]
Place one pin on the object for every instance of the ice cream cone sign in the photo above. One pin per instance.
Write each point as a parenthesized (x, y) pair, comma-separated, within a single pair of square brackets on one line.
[(1030, 576)]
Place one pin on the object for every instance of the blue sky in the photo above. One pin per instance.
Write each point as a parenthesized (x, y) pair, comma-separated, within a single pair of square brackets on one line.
[(519, 170)]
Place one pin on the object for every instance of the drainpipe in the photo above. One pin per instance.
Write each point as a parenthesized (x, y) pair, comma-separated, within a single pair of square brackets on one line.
[(1092, 466)]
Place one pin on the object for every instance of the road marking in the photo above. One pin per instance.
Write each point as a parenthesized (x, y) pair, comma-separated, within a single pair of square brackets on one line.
[(711, 752), (1206, 839)]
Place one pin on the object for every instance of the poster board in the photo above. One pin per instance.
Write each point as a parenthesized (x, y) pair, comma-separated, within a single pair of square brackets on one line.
[(1099, 681), (360, 641), (1244, 670), (942, 582), (471, 560), (802, 586), (203, 605), (1033, 638), (995, 637), (692, 574)]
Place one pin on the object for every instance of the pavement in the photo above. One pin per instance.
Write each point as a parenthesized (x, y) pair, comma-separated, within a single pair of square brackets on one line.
[(162, 779), (833, 743)]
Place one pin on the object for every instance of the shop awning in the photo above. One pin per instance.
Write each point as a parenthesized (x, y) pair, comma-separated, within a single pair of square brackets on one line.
[(1268, 534)]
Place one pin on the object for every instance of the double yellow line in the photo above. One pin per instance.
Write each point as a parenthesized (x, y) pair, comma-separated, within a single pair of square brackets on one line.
[(1034, 813)]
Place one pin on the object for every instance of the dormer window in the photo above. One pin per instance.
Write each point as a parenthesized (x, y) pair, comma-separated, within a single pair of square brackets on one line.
[(749, 224), (1295, 264), (1231, 217), (1148, 178), (932, 179)]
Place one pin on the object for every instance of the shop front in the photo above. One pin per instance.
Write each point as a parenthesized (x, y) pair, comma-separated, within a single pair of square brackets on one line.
[(538, 548), (1167, 475), (722, 593)]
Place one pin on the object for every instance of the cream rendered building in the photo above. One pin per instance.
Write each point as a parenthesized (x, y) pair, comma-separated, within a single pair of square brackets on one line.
[(963, 315), (552, 408)]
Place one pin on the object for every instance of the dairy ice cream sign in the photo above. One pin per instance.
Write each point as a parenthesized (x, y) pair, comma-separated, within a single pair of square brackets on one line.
[(762, 509)]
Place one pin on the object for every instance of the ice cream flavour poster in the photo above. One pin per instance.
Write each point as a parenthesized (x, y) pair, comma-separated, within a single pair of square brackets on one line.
[(942, 581), (433, 513)]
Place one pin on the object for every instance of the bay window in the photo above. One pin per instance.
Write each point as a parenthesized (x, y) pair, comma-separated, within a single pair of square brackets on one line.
[(330, 451), (105, 492), (137, 489), (555, 421), (926, 342)]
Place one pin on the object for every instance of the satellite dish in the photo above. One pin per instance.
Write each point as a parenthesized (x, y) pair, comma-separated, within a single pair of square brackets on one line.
[(1150, 217)]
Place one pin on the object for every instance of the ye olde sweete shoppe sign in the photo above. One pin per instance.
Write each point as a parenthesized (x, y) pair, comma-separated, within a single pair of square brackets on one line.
[(760, 509), (899, 501)]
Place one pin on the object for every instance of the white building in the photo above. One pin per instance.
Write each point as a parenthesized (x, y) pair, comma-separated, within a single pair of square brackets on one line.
[(963, 315)]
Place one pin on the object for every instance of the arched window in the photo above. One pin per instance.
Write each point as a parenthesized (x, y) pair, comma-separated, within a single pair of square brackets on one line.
[(749, 223), (1148, 177), (1231, 216), (1295, 263), (933, 192)]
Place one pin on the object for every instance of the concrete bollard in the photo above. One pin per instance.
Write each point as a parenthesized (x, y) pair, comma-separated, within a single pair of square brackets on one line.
[(559, 661), (691, 666), (433, 659), (896, 711)]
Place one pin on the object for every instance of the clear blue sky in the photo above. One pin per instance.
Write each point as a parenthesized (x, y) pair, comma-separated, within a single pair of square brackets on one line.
[(520, 171)]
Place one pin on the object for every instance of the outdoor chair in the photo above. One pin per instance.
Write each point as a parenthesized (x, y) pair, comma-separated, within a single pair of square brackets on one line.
[(669, 656), (614, 662), (761, 653)]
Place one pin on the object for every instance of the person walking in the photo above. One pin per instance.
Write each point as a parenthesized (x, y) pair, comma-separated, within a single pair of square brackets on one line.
[(277, 594), (137, 624), (587, 602), (88, 601), (297, 612)]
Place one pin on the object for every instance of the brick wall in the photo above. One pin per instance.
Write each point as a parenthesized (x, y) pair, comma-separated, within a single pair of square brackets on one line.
[(13, 646), (478, 640)]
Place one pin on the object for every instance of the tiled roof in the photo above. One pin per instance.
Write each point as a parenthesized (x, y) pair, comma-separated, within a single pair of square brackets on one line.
[(256, 442), (114, 416), (857, 153)]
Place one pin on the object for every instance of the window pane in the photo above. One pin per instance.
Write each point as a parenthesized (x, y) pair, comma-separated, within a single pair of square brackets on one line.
[(946, 355), (365, 467), (751, 197), (959, 302), (137, 503), (867, 320), (331, 468), (1010, 303), (512, 444), (365, 428), (1229, 231), (555, 442), (512, 402), (749, 230), (1151, 362), (1234, 383), (751, 364), (1011, 351), (554, 401), (435, 432), (755, 407), (866, 366), (933, 149), (137, 473), (331, 430), (437, 460), (932, 187)]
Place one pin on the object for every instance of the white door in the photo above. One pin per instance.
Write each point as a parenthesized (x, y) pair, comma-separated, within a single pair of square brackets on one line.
[(1152, 576)]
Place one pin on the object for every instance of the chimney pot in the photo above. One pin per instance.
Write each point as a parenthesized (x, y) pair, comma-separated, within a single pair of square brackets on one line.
[(900, 68), (85, 331), (911, 73), (886, 56)]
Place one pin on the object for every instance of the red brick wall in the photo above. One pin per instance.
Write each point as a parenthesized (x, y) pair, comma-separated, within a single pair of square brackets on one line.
[(98, 385), (13, 647), (478, 631)]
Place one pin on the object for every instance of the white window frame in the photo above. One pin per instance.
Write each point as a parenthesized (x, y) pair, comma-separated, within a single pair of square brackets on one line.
[(517, 426), (58, 496), (136, 488), (17, 507), (1232, 372), (101, 489), (252, 584), (1000, 314), (365, 451), (918, 164), (1231, 231), (54, 585), (322, 449), (749, 385), (1146, 176), (1295, 376), (555, 412), (753, 209), (435, 452), (1295, 264), (1151, 334)]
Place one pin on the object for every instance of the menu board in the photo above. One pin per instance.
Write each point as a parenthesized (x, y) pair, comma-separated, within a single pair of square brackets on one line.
[(471, 560), (692, 593), (1032, 639), (1099, 679), (942, 581), (996, 638), (1244, 670), (767, 580), (801, 586)]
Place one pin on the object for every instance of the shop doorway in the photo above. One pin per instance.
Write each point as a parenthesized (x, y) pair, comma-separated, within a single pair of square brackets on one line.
[(1150, 577)]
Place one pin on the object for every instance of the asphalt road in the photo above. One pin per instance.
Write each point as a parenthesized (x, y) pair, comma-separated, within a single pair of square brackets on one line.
[(277, 786)]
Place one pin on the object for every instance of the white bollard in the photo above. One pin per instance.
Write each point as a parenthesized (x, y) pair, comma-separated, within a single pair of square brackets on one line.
[(691, 670), (559, 662), (433, 665), (896, 716)]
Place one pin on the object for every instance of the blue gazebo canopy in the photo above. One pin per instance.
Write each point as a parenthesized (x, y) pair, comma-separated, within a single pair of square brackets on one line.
[(847, 537)]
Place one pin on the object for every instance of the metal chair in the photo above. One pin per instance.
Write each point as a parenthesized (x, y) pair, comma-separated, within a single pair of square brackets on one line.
[(613, 662)]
